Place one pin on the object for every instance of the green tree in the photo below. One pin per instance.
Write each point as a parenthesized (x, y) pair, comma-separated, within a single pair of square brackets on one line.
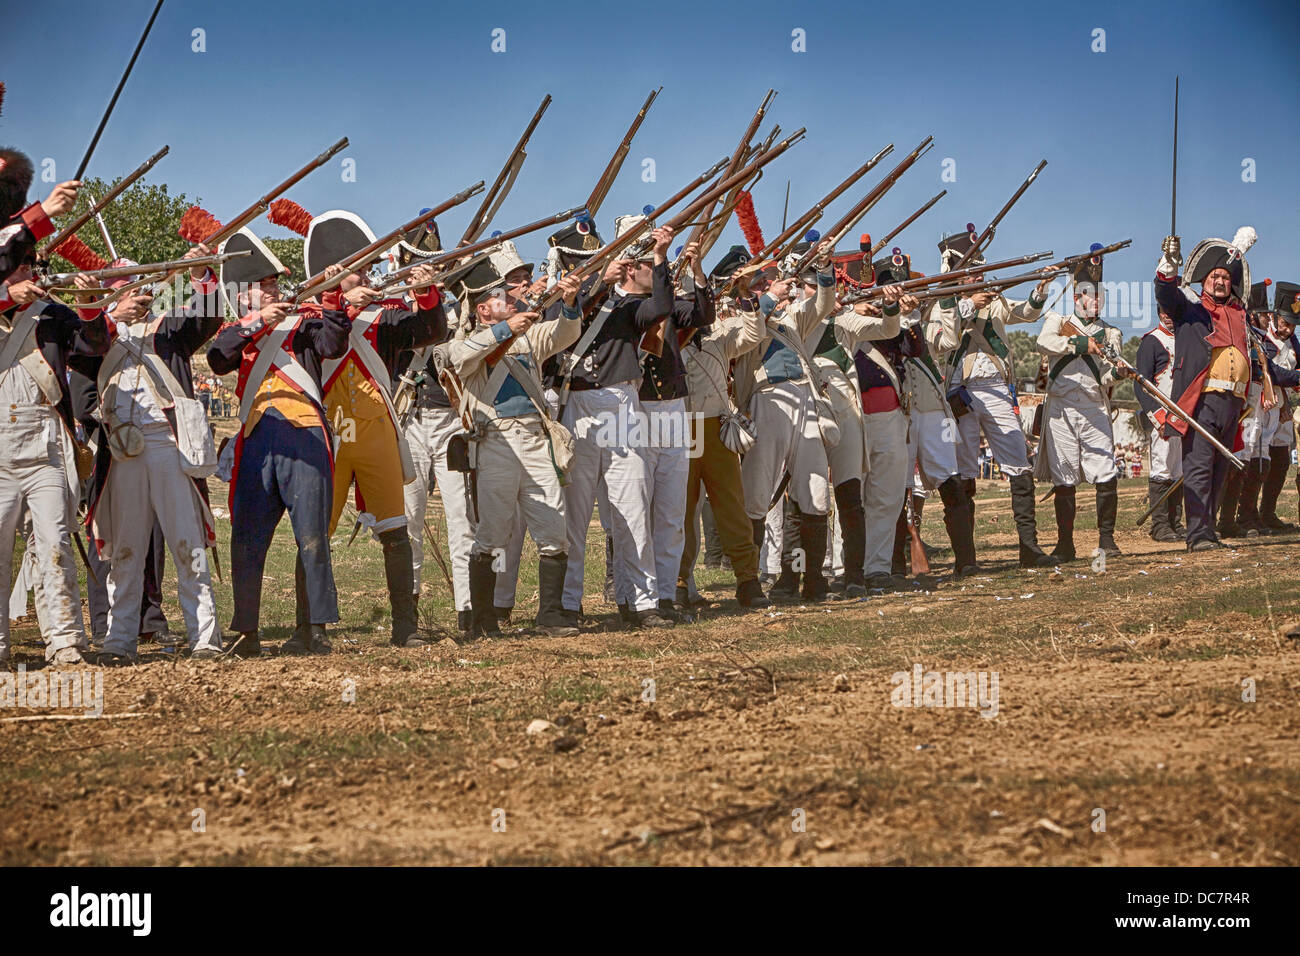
[(142, 222), (289, 252)]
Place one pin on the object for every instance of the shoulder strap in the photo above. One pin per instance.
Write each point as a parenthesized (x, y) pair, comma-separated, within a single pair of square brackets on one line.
[(366, 352), (24, 328), (793, 343), (588, 338), (272, 345)]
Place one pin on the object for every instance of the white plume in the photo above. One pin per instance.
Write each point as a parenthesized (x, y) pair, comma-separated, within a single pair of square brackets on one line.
[(1244, 239)]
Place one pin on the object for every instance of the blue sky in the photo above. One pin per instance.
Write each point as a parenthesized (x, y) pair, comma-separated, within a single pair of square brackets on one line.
[(430, 109)]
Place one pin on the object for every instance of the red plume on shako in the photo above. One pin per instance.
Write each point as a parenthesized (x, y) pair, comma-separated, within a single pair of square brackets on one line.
[(748, 220), (81, 255), (197, 224), (287, 213)]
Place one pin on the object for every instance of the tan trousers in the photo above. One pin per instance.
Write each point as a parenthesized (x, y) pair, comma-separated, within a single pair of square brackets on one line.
[(718, 468)]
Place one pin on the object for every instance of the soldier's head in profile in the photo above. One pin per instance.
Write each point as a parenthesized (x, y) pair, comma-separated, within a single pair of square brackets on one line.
[(1089, 298)]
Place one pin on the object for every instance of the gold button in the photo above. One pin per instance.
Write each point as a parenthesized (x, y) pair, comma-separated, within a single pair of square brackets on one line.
[(12, 419)]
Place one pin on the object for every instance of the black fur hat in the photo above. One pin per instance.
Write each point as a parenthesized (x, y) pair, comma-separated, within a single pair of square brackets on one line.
[(15, 179)]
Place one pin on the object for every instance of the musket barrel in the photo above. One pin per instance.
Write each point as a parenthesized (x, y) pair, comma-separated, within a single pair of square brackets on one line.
[(73, 227)]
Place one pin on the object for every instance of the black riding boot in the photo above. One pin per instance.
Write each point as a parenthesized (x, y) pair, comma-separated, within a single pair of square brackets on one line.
[(956, 509), (482, 588), (1066, 504), (551, 618), (971, 490), (812, 533), (1175, 505), (1022, 506), (1228, 499), (1161, 528), (853, 528), (400, 577), (1279, 460), (786, 589), (1248, 502), (1107, 509)]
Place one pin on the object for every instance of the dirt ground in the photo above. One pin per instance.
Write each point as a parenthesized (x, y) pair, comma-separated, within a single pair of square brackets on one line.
[(1146, 714)]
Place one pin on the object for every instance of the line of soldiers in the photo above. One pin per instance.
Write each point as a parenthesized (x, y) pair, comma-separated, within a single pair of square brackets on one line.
[(633, 394)]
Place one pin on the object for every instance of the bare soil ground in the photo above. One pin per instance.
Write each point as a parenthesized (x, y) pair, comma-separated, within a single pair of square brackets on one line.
[(1146, 715)]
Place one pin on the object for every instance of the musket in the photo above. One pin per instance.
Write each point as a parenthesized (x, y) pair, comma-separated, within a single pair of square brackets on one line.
[(1160, 501), (221, 234), (389, 282), (73, 227), (363, 257), (863, 206), (261, 205), (94, 140), (987, 234), (614, 249), (737, 159), (905, 223), (920, 560), (996, 285), (54, 280), (616, 162), (1111, 355), (773, 249), (921, 282), (505, 180)]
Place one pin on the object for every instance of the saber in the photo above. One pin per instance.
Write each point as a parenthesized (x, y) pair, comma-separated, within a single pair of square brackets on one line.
[(1173, 196), (85, 160)]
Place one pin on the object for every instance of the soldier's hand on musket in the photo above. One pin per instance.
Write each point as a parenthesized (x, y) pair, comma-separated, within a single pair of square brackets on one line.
[(24, 292), (198, 272), (569, 287), (663, 237), (273, 313), (615, 269), (538, 287), (893, 294), (983, 298), (864, 307), (362, 296), (822, 254), (421, 278), (520, 322), (692, 256), (1040, 290), (62, 198), (1093, 347), (780, 289), (83, 281), (908, 303), (332, 270)]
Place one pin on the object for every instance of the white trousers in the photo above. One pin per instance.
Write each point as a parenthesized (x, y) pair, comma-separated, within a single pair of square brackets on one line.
[(884, 486), (598, 418), (516, 477), (428, 434), (137, 489), (32, 472), (668, 468), (788, 441), (1082, 445), (1166, 457), (932, 439), (1258, 427), (769, 557), (993, 414)]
